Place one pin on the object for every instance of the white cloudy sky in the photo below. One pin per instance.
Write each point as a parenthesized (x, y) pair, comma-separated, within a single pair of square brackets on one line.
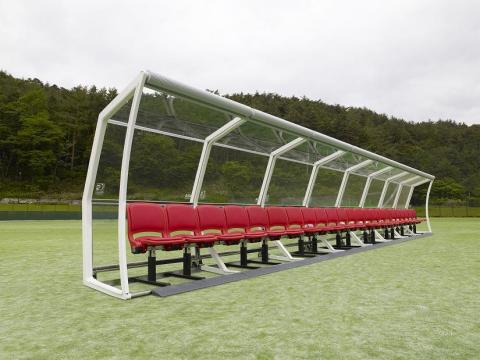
[(415, 59)]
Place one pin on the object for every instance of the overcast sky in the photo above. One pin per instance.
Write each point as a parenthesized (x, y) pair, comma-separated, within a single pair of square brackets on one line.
[(413, 59)]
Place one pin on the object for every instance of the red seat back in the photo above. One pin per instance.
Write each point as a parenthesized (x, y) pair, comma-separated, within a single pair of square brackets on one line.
[(332, 216), (277, 216), (142, 218), (146, 217), (182, 218), (342, 215), (257, 217), (309, 217), (294, 215), (236, 217), (321, 216), (211, 218)]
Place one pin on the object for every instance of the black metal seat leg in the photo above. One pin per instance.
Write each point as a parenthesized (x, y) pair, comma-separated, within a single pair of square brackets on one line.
[(372, 236), (338, 239), (348, 239), (402, 231), (152, 265), (243, 254), (264, 252), (392, 233), (187, 261), (414, 228), (386, 234), (301, 246), (365, 236), (314, 244)]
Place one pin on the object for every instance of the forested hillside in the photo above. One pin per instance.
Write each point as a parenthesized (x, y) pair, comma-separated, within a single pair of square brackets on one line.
[(46, 134)]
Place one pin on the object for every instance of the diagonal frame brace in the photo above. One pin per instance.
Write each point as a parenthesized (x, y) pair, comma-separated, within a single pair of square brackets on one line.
[(207, 147)]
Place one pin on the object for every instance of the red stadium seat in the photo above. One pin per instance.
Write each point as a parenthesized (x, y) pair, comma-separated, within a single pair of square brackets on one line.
[(237, 221), (150, 218), (310, 221), (153, 218), (258, 221), (212, 218), (183, 219), (278, 224), (332, 220)]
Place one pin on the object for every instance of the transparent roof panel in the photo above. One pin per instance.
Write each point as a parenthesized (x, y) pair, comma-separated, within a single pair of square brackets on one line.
[(345, 161), (309, 152), (370, 168), (411, 179), (402, 178), (176, 115), (388, 174), (256, 137)]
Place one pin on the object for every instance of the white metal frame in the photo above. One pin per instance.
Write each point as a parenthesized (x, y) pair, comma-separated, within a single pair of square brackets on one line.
[(385, 187), (314, 174), (207, 147), (369, 182), (134, 90), (262, 197), (240, 114), (346, 175)]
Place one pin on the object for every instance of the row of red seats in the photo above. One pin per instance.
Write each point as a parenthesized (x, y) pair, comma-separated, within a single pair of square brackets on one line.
[(178, 225)]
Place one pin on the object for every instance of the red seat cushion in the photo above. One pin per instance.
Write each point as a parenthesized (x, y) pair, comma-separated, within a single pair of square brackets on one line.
[(294, 231), (276, 234), (201, 240), (166, 243), (255, 235), (231, 237)]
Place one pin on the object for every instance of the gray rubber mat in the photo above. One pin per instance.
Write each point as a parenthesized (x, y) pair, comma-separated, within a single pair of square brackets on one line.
[(224, 279)]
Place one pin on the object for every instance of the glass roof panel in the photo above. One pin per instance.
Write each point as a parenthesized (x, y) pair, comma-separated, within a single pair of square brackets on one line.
[(167, 113), (388, 174), (310, 152), (252, 136), (402, 178), (370, 168), (345, 161)]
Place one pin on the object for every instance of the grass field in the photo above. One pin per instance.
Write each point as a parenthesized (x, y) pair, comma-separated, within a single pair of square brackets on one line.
[(415, 300)]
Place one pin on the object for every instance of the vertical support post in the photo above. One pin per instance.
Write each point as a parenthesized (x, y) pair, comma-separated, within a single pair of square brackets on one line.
[(343, 185), (412, 188), (87, 234), (122, 193), (410, 191), (262, 197), (207, 146), (313, 175), (397, 196), (402, 185), (369, 182), (409, 197), (426, 206), (387, 182)]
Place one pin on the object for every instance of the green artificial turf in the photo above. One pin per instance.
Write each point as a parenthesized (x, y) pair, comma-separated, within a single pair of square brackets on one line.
[(415, 300)]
